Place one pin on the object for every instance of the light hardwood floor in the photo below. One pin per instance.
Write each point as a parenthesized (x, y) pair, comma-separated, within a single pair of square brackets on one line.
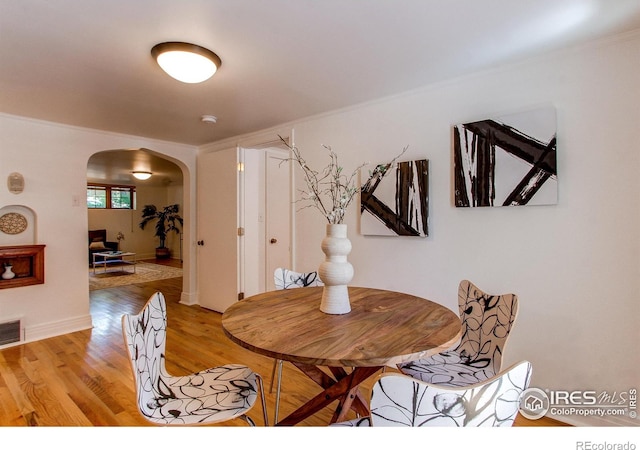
[(84, 378)]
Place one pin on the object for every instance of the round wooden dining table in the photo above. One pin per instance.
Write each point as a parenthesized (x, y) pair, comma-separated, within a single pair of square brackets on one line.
[(384, 328)]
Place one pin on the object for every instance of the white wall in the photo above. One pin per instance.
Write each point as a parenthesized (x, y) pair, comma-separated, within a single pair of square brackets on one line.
[(53, 160), (575, 266)]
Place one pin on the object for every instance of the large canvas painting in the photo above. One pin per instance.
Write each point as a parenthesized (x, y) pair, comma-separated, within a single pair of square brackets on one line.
[(398, 203), (506, 161)]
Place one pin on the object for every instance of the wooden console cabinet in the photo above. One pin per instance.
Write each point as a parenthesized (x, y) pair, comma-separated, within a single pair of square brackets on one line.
[(27, 262)]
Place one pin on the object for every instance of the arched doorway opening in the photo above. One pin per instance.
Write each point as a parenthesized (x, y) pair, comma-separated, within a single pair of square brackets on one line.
[(115, 199)]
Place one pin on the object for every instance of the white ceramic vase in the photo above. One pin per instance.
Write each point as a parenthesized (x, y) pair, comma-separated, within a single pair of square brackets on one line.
[(8, 273), (336, 272)]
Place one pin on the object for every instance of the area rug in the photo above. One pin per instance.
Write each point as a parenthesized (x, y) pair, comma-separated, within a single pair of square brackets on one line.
[(145, 272)]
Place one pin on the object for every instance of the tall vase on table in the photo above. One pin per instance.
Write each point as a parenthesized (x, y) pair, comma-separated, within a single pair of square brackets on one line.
[(336, 272)]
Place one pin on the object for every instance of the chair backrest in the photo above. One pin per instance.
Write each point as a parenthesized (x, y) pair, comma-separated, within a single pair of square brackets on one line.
[(288, 279), (487, 321), (400, 400), (97, 236), (145, 337)]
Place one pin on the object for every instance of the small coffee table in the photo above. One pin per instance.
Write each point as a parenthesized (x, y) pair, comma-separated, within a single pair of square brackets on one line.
[(121, 259)]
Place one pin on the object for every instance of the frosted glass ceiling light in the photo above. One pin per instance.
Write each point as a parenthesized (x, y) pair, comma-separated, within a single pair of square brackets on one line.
[(140, 175), (185, 62)]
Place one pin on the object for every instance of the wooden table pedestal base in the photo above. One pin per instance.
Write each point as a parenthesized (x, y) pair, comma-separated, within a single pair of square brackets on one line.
[(344, 388)]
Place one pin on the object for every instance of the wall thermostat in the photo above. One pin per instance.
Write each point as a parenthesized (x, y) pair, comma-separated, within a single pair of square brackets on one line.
[(15, 183)]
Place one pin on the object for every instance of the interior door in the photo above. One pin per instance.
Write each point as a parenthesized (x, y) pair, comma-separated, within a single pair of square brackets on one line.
[(217, 221), (251, 209), (278, 213), (265, 216)]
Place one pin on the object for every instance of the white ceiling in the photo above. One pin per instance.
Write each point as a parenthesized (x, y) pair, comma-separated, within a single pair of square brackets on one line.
[(115, 167), (88, 62)]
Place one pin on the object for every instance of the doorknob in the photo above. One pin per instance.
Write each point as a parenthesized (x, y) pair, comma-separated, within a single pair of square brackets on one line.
[(273, 240), (200, 242)]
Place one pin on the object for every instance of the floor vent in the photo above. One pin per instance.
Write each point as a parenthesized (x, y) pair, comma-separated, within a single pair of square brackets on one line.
[(10, 332)]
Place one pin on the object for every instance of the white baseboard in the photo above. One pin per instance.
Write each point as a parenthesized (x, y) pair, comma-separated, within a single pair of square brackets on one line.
[(140, 256), (188, 299), (51, 329)]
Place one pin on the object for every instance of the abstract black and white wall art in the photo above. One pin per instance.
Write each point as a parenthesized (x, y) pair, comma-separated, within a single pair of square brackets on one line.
[(396, 204), (506, 161)]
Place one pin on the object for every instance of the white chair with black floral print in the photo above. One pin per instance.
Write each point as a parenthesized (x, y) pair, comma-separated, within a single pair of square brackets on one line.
[(399, 400), (212, 395), (487, 321), (289, 279)]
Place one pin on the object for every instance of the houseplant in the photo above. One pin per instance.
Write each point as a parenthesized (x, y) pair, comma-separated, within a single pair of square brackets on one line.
[(167, 219)]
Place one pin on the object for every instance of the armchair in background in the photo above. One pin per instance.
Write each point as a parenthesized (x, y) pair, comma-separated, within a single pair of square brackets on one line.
[(98, 243)]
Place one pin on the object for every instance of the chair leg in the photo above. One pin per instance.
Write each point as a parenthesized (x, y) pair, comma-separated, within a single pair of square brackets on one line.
[(248, 419), (262, 399), (275, 417), (273, 373)]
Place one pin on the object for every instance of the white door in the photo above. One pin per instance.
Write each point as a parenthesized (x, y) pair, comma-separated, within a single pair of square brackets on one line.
[(244, 221), (252, 204), (217, 235), (265, 217), (278, 213)]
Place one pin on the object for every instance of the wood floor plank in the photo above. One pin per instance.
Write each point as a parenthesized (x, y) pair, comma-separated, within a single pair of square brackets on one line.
[(13, 411), (10, 414), (11, 379), (48, 392)]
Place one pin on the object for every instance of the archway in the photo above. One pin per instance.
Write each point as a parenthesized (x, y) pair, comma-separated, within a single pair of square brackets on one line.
[(113, 170)]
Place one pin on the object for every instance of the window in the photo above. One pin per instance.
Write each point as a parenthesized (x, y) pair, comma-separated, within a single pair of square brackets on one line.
[(110, 197)]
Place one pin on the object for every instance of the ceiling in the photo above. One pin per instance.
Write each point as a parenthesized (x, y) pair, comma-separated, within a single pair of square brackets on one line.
[(87, 62), (115, 167)]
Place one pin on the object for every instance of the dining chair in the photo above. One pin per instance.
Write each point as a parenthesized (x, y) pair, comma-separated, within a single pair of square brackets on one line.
[(487, 321), (289, 279), (213, 395), (400, 400)]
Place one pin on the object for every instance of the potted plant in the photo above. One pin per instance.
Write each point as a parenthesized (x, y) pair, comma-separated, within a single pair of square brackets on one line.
[(166, 219)]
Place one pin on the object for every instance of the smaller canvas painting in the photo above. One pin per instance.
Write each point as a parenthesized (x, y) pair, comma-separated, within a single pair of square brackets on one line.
[(506, 161), (396, 204)]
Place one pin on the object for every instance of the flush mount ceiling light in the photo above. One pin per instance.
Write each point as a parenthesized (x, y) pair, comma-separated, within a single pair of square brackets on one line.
[(185, 62), (141, 175)]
